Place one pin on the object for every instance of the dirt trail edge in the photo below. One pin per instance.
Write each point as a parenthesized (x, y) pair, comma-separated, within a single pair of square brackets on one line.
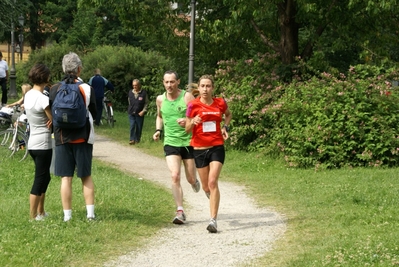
[(245, 230)]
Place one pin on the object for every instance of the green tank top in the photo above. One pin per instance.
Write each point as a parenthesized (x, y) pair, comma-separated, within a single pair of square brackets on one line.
[(175, 135)]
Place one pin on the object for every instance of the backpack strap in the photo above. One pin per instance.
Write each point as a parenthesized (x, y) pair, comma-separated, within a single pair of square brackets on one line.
[(82, 91), (67, 81)]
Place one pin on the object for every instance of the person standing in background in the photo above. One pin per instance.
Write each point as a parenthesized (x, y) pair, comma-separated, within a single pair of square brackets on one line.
[(171, 111), (74, 146), (3, 79), (138, 103), (98, 83), (38, 112), (204, 116)]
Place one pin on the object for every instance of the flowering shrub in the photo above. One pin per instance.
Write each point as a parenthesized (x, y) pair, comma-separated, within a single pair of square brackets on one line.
[(327, 121), (250, 87), (338, 121)]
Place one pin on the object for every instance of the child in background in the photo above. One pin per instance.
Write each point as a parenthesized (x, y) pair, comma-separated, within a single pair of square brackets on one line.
[(25, 88)]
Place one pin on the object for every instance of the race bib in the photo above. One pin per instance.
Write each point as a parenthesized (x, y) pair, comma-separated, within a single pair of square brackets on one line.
[(209, 126)]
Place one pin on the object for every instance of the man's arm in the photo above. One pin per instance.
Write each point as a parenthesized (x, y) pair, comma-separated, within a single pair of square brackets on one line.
[(159, 120), (90, 81), (145, 105), (109, 85), (92, 104), (187, 98)]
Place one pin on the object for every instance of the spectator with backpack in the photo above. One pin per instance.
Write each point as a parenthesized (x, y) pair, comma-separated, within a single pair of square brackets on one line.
[(73, 133), (98, 82)]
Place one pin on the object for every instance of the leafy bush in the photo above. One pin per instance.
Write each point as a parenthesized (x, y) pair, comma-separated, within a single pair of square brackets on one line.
[(334, 122), (118, 64), (50, 56), (326, 121), (249, 87)]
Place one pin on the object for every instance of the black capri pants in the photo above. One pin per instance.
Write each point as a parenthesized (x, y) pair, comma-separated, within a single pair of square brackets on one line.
[(42, 159)]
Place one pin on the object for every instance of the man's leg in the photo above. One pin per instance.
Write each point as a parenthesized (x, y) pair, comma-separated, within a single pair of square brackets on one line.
[(131, 122), (88, 193), (66, 197), (99, 103), (190, 170), (139, 127), (174, 163), (4, 91)]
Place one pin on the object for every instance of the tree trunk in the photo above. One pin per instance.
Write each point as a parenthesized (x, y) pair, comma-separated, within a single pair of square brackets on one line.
[(289, 31)]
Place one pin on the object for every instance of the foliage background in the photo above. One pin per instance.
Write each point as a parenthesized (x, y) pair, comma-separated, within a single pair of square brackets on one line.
[(279, 64), (119, 64)]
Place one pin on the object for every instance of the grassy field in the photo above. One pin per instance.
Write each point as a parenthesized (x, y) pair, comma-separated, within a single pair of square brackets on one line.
[(346, 217)]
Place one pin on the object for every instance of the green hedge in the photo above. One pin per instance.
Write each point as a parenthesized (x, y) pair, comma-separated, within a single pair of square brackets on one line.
[(119, 64), (327, 121), (338, 121)]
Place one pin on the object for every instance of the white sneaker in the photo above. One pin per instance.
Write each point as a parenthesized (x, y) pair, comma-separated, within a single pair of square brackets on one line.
[(41, 217)]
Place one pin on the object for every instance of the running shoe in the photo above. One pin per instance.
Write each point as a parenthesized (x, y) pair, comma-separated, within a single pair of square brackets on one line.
[(212, 226), (91, 219), (180, 217), (196, 187), (41, 217)]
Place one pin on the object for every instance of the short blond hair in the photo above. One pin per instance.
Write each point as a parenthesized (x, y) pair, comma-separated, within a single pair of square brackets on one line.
[(25, 88), (193, 88)]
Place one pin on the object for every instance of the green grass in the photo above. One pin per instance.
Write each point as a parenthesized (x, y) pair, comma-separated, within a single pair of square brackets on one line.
[(334, 218), (346, 217), (129, 211)]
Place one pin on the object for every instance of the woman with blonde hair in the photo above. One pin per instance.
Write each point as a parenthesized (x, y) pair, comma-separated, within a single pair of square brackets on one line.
[(203, 118)]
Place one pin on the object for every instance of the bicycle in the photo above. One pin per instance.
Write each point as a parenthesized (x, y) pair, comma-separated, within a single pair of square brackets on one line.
[(14, 139), (108, 111)]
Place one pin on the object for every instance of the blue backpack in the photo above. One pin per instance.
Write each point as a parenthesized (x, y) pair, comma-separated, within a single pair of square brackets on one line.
[(69, 108)]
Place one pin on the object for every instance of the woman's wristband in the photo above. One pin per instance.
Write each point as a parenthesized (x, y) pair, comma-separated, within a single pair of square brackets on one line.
[(158, 130), (227, 128)]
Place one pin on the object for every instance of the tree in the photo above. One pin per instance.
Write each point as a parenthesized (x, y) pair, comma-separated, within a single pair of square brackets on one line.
[(154, 23), (339, 31), (10, 10)]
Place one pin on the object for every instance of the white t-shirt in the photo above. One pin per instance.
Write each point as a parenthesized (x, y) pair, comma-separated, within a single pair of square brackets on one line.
[(3, 68), (35, 103)]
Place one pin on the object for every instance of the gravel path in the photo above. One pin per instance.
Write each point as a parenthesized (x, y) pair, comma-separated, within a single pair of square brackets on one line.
[(245, 231)]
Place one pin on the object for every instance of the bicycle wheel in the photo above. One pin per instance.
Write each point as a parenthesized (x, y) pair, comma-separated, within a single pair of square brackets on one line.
[(14, 145), (104, 114), (110, 116), (5, 140)]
